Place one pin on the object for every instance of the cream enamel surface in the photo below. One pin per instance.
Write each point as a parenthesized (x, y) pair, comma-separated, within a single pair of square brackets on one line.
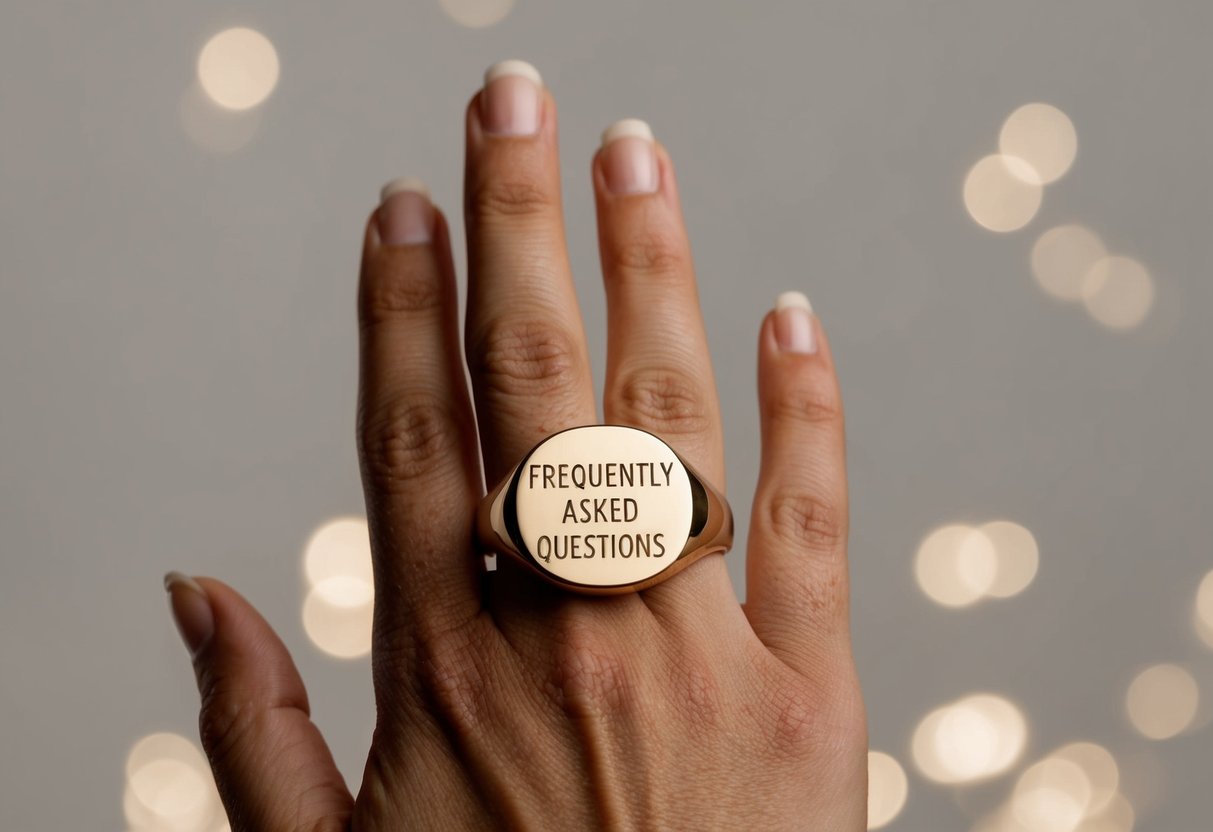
[(574, 550)]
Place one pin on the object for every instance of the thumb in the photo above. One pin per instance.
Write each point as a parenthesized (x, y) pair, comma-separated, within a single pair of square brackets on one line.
[(273, 769)]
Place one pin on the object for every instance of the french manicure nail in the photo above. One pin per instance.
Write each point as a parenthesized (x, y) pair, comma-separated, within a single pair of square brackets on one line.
[(794, 323), (510, 102), (191, 610), (629, 160), (406, 215)]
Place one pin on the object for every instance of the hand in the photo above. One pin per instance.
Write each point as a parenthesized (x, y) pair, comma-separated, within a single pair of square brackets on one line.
[(503, 701)]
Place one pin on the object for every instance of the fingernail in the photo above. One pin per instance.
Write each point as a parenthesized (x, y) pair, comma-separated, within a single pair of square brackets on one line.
[(629, 160), (510, 102), (406, 215), (794, 323), (191, 610)]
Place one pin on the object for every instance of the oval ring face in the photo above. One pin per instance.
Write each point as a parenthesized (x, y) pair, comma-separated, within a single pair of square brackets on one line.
[(603, 505)]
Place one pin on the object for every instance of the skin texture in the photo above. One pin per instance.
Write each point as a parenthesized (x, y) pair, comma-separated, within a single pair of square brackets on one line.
[(503, 702)]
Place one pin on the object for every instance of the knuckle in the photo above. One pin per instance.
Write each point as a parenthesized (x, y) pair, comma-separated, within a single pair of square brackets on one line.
[(453, 675), (648, 252), (791, 721), (387, 297), (697, 692), (589, 676), (812, 407), (525, 357), (805, 522), (407, 439), (230, 716), (497, 197), (670, 400), (808, 716)]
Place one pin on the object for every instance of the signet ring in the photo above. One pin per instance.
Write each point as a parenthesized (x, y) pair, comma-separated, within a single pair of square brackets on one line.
[(604, 510)]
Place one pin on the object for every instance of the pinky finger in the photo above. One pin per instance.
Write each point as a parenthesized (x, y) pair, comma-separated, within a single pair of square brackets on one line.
[(796, 564)]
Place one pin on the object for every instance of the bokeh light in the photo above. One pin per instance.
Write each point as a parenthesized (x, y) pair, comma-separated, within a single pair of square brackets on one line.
[(169, 787), (1100, 768), (887, 789), (214, 128), (337, 561), (974, 738), (956, 565), (1074, 789), (1117, 816), (1118, 292), (339, 607), (477, 13), (1002, 193), (1204, 609), (1052, 796), (1017, 557), (1162, 700), (1044, 137), (342, 631), (1062, 257), (238, 68)]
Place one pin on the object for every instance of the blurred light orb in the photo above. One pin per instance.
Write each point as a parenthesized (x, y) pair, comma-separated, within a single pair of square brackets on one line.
[(1118, 292), (1002, 193), (887, 789), (337, 562), (1062, 257), (1162, 700), (477, 14), (213, 128), (1052, 796), (1044, 137), (1100, 768), (974, 738), (340, 630), (1117, 816), (169, 786), (1204, 609), (238, 68), (956, 565), (1017, 557)]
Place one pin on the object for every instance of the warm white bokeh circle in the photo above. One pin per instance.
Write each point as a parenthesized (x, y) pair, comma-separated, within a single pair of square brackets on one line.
[(341, 630), (337, 561), (1118, 292), (1002, 193), (1044, 137), (887, 789), (169, 786), (974, 738), (1017, 557), (340, 602), (1117, 816), (1204, 609), (477, 14), (1052, 796), (955, 565), (238, 68), (1162, 701), (1062, 257), (1100, 768)]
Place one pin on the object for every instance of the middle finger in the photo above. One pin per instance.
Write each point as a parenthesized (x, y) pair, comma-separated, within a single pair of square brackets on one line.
[(526, 346)]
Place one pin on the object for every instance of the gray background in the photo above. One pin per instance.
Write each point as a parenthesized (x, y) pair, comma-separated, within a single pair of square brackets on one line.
[(177, 336)]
